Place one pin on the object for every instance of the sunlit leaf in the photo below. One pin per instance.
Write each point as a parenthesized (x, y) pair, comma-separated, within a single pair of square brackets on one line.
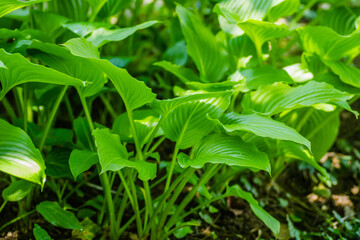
[(102, 36), (348, 74), (17, 190), (7, 6), (342, 20), (18, 155), (206, 51), (279, 97), (283, 9), (261, 126), (224, 149), (113, 156)]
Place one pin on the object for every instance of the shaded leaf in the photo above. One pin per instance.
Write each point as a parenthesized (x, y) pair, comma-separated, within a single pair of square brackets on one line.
[(17, 190), (80, 161), (207, 53), (40, 234), (57, 216), (18, 155), (184, 74)]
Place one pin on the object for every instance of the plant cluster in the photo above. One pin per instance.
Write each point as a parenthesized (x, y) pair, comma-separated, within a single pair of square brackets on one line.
[(221, 88)]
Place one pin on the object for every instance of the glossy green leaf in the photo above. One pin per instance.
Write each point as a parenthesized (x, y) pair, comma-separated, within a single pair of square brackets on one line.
[(283, 9), (206, 51), (40, 234), (61, 59), (81, 160), (348, 74), (313, 63), (271, 222), (133, 92), (260, 32), (7, 6), (57, 216), (18, 155), (17, 190), (102, 36), (113, 155), (145, 122), (278, 97), (82, 29), (342, 20), (321, 128), (50, 23), (16, 69), (262, 126), (224, 149), (184, 74), (297, 151), (265, 75), (185, 118), (299, 73), (327, 43)]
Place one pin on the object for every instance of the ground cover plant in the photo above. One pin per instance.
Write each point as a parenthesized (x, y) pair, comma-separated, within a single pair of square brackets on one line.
[(145, 119)]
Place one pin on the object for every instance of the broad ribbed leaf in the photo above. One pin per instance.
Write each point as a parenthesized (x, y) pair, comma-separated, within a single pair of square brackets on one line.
[(80, 161), (82, 29), (224, 149), (327, 43), (342, 20), (18, 155), (297, 151), (57, 216), (145, 122), (40, 234), (321, 128), (262, 126), (265, 75), (184, 74), (185, 118), (7, 6), (271, 222), (348, 74), (16, 69), (260, 32), (233, 11), (299, 73), (113, 156), (313, 63), (133, 92), (61, 59), (283, 9), (17, 190), (206, 51), (102, 36), (279, 97)]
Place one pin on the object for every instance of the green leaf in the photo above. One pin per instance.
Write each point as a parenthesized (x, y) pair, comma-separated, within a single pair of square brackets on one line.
[(61, 59), (283, 9), (176, 54), (260, 32), (262, 126), (16, 69), (133, 92), (145, 122), (269, 221), (101, 36), (50, 23), (7, 6), (82, 29), (57, 163), (185, 118), (224, 149), (82, 132), (18, 155), (348, 74), (299, 73), (278, 97), (184, 74), (17, 190), (342, 20), (265, 75), (80, 161), (206, 51), (113, 155), (57, 216), (326, 43), (40, 234)]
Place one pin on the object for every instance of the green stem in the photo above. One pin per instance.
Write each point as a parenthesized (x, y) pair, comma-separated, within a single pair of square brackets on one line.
[(96, 10), (156, 145), (304, 119), (69, 108), (16, 219), (122, 208), (8, 109), (259, 54), (127, 189), (299, 15), (25, 107), (153, 134), (108, 106), (103, 177), (2, 206), (136, 207), (52, 116), (205, 178), (172, 165)]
